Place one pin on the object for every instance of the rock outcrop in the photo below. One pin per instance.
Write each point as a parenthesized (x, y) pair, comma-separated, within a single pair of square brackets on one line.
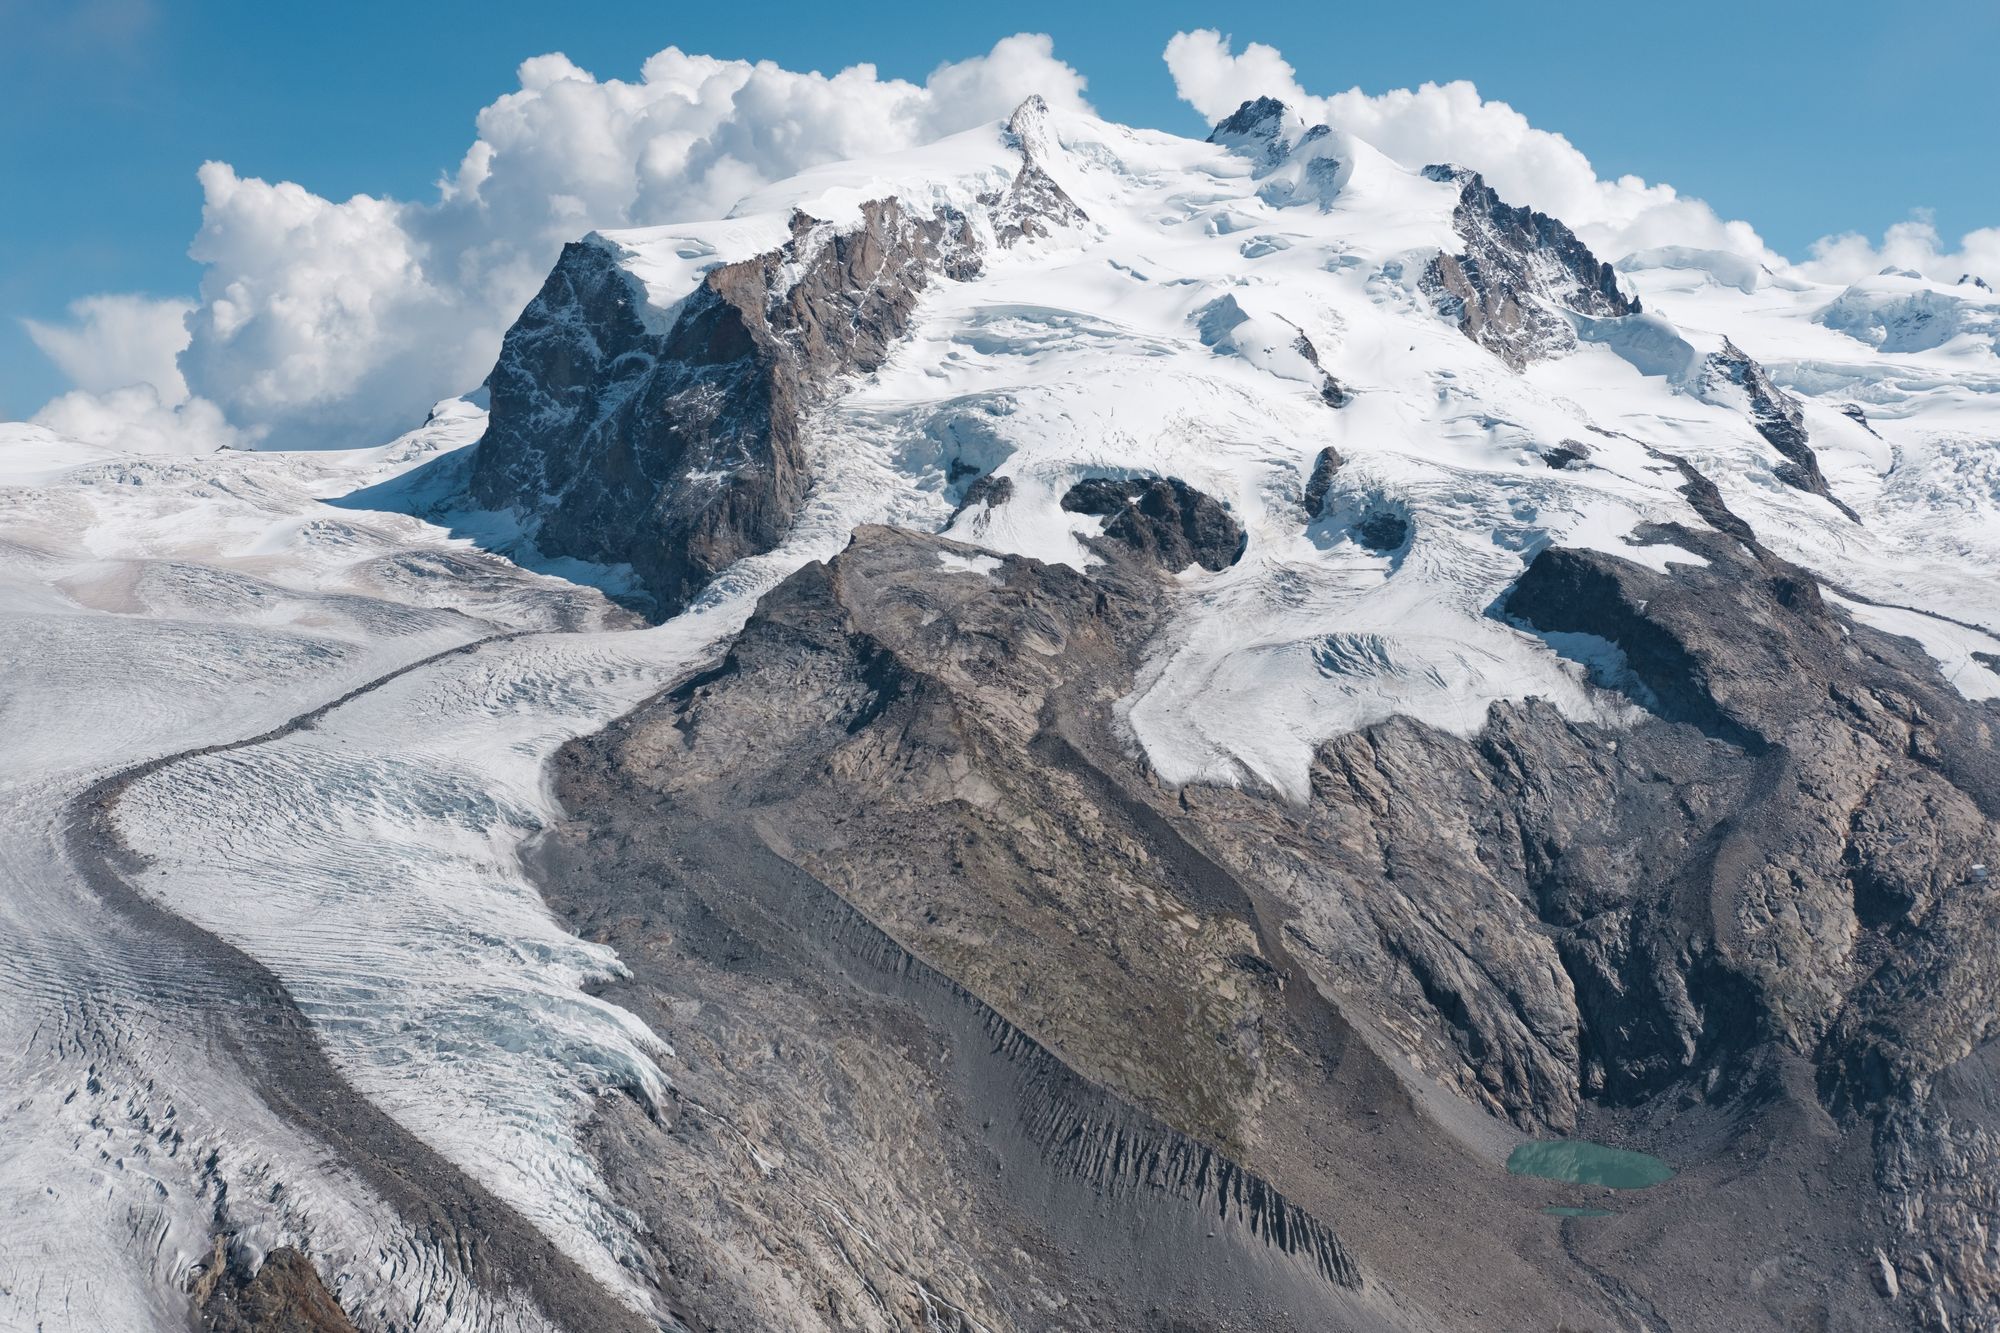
[(1519, 270), (1263, 126), (1319, 482), (282, 1294), (1777, 416), (679, 451), (1161, 518)]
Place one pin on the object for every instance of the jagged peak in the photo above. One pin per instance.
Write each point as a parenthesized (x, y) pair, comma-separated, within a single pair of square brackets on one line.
[(1029, 129), (1033, 111), (1259, 116), (1522, 277), (1035, 203), (1265, 128)]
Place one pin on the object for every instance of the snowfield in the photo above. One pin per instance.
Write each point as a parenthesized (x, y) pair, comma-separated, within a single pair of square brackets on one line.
[(371, 861)]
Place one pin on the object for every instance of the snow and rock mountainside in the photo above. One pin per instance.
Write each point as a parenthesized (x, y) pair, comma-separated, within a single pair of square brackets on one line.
[(1198, 696)]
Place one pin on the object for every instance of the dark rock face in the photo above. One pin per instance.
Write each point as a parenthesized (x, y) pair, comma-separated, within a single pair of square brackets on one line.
[(1858, 415), (1567, 454), (987, 490), (1331, 391), (1162, 518), (679, 451), (1871, 787), (1258, 116), (1779, 419), (1382, 530), (284, 1295), (1518, 270), (1325, 464), (1263, 128)]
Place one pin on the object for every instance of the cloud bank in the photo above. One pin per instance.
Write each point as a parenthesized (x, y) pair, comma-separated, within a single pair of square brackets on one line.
[(322, 323), (1452, 123), (1913, 245), (116, 340)]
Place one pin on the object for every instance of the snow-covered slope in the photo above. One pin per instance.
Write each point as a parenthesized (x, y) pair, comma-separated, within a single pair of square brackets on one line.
[(1402, 390), (1224, 311)]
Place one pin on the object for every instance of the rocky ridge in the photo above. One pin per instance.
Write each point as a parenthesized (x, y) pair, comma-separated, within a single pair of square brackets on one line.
[(1574, 929), (679, 450), (1519, 271)]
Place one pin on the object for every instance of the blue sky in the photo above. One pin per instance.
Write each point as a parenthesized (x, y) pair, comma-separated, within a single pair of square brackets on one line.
[(1803, 119)]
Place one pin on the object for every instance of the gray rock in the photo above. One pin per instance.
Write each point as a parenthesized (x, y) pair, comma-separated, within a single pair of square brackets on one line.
[(1325, 464), (1383, 530), (1519, 270), (1331, 391), (1567, 454), (1859, 416), (1161, 518), (1885, 1277), (1778, 418)]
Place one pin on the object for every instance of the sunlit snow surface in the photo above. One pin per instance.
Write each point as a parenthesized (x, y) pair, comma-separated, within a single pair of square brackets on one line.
[(149, 606), (1159, 338)]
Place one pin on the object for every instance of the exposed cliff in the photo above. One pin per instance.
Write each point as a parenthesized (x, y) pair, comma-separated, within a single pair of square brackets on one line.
[(1519, 271)]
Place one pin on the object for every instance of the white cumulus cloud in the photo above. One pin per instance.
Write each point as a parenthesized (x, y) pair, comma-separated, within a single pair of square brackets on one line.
[(328, 323), (1914, 245), (114, 341), (135, 419), (1451, 122)]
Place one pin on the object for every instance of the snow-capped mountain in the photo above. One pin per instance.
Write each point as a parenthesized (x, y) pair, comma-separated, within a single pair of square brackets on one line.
[(1070, 728), (1222, 313)]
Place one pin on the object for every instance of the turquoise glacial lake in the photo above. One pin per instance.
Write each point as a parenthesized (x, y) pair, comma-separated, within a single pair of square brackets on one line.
[(1584, 1163)]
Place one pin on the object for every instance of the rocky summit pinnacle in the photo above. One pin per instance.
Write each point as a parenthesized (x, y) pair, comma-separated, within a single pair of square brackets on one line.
[(1258, 117), (1519, 272)]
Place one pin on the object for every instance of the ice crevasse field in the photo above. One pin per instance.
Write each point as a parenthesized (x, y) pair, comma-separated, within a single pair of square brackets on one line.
[(371, 861)]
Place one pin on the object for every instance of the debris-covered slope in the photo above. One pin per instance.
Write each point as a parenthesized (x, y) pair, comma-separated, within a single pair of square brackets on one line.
[(900, 804)]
